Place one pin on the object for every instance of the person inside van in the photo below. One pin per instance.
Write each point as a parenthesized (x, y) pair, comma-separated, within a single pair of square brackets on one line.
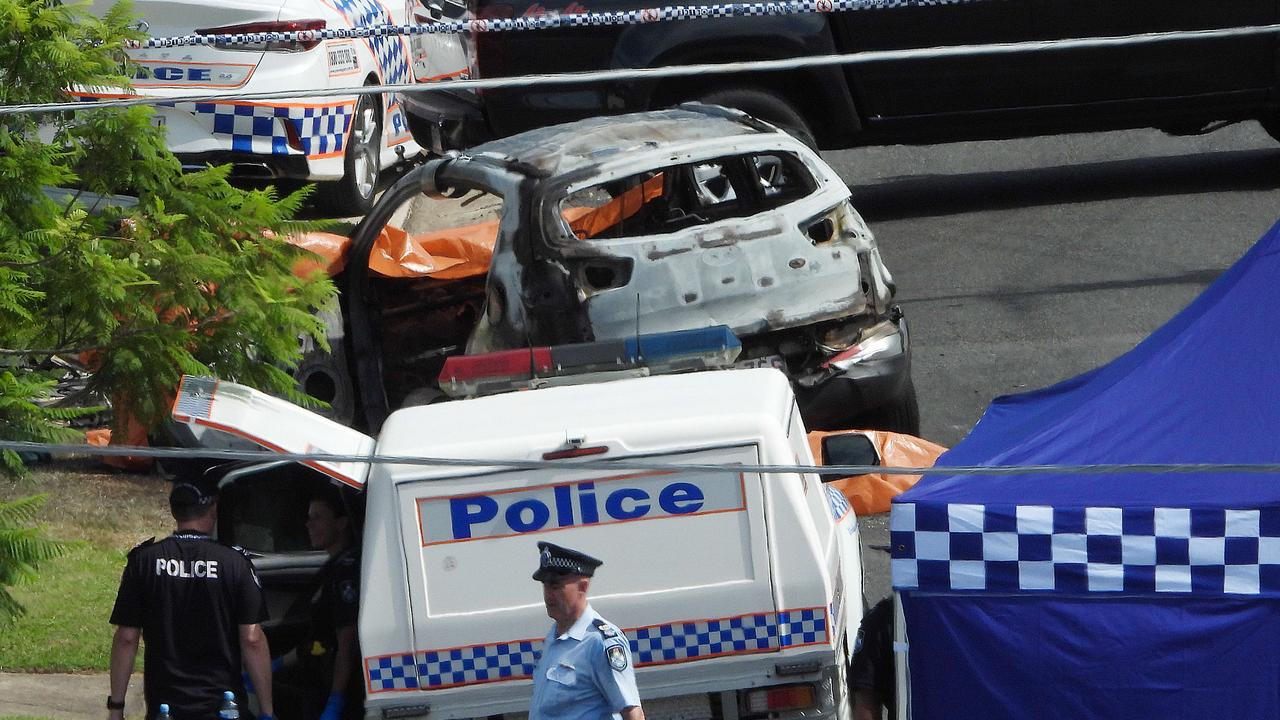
[(321, 676)]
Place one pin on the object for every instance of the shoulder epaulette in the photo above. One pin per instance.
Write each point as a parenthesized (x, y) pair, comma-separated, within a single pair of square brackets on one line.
[(604, 628)]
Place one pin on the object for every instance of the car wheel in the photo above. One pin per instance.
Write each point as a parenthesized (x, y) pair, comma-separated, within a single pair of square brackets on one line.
[(362, 163), (325, 375), (902, 416), (765, 105)]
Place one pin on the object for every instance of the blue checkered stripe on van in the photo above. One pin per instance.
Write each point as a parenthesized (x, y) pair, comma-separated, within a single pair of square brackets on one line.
[(727, 636), (1000, 548), (654, 645)]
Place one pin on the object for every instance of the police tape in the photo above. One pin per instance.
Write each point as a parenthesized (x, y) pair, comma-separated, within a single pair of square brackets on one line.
[(672, 71), (552, 20), (231, 455)]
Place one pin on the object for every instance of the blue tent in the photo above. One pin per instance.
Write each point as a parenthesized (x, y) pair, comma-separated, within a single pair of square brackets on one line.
[(1121, 595)]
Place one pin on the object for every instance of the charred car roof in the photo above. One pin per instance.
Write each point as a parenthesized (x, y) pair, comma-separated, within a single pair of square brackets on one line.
[(566, 149)]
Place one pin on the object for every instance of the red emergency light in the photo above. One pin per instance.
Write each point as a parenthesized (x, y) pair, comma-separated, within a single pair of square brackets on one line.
[(655, 353)]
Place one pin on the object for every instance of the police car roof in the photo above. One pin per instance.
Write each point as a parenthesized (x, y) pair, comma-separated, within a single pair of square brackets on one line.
[(645, 415)]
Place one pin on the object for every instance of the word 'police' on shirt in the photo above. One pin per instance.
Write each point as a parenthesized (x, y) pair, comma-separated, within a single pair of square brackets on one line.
[(184, 569), (588, 502)]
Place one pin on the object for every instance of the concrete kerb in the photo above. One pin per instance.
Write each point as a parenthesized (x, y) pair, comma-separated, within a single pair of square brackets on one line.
[(61, 696)]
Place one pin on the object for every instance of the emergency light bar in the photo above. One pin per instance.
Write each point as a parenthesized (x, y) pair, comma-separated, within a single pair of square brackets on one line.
[(653, 354)]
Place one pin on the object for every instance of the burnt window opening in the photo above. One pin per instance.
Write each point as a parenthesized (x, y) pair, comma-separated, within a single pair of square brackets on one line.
[(670, 199), (427, 288)]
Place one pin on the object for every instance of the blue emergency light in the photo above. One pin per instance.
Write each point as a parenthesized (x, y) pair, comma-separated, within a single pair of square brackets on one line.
[(656, 353)]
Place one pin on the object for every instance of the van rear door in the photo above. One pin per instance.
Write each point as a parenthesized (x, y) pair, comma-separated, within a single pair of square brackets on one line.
[(685, 557)]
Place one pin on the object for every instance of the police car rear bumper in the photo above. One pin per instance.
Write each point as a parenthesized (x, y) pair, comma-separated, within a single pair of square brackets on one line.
[(250, 166)]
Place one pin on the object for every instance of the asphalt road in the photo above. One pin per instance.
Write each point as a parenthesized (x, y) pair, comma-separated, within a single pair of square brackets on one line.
[(1020, 263)]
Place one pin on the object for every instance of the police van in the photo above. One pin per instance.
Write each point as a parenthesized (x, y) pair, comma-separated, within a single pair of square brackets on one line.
[(740, 591)]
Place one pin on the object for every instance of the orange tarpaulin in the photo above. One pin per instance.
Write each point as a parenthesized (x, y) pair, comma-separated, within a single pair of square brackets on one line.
[(450, 254), (459, 252), (871, 494)]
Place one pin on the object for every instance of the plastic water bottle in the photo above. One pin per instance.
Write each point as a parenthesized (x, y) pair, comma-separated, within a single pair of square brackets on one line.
[(228, 711), (164, 712)]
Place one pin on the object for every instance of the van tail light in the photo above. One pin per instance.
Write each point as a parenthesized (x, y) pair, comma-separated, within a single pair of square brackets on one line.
[(780, 697), (266, 44)]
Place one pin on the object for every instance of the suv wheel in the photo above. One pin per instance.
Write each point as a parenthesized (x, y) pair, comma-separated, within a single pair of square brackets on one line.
[(764, 105)]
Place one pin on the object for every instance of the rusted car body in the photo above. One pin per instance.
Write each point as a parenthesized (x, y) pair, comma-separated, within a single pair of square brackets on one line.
[(611, 227)]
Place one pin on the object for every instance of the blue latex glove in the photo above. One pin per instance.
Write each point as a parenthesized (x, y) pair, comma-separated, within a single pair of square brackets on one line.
[(266, 717), (333, 708), (276, 665)]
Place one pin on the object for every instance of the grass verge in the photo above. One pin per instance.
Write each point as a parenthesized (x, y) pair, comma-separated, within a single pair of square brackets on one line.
[(65, 628)]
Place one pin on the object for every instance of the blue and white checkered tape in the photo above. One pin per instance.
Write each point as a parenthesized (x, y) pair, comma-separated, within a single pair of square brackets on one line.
[(552, 20), (654, 645), (1003, 548)]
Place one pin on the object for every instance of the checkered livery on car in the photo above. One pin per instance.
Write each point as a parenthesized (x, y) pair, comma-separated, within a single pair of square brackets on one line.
[(321, 129), (389, 49), (653, 645), (998, 548)]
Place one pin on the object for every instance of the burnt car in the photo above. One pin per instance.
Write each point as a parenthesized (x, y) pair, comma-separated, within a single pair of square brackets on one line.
[(610, 229)]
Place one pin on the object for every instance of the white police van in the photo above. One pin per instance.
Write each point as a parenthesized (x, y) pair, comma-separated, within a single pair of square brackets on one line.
[(741, 592)]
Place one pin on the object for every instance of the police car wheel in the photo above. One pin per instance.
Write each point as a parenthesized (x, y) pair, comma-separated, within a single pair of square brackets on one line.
[(354, 193)]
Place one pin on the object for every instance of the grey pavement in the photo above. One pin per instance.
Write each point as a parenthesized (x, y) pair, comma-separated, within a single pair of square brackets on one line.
[(63, 697)]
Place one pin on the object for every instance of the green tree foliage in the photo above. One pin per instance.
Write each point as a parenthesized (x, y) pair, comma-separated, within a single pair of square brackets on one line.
[(194, 278), (22, 549)]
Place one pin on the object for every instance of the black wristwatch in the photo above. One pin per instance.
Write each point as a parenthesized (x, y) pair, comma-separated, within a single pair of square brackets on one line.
[(114, 704)]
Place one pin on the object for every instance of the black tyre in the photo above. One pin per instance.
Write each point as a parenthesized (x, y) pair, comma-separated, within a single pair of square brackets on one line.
[(354, 193), (902, 416), (325, 375), (764, 105)]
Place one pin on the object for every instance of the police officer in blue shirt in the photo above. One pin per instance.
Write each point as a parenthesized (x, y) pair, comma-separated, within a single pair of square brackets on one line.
[(585, 672)]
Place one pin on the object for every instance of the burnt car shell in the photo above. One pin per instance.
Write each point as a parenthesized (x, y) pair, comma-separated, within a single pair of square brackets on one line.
[(742, 226)]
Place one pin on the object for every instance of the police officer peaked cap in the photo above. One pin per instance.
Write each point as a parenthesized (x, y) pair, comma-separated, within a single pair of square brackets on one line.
[(556, 560)]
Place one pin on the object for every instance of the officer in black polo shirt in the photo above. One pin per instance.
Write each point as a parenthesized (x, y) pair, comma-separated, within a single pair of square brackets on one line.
[(198, 603)]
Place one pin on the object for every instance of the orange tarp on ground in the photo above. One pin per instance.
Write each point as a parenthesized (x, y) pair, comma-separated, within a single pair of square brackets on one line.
[(871, 494)]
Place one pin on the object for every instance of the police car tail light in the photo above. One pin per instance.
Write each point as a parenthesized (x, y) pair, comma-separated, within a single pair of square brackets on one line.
[(780, 697), (655, 353), (267, 44)]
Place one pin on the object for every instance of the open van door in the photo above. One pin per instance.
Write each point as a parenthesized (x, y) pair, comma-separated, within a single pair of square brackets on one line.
[(262, 506), (274, 424)]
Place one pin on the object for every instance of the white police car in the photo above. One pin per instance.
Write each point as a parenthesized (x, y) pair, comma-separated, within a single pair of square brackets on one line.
[(739, 591), (343, 142)]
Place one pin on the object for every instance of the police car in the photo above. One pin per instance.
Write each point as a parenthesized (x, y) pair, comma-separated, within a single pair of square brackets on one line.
[(739, 591), (343, 142)]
